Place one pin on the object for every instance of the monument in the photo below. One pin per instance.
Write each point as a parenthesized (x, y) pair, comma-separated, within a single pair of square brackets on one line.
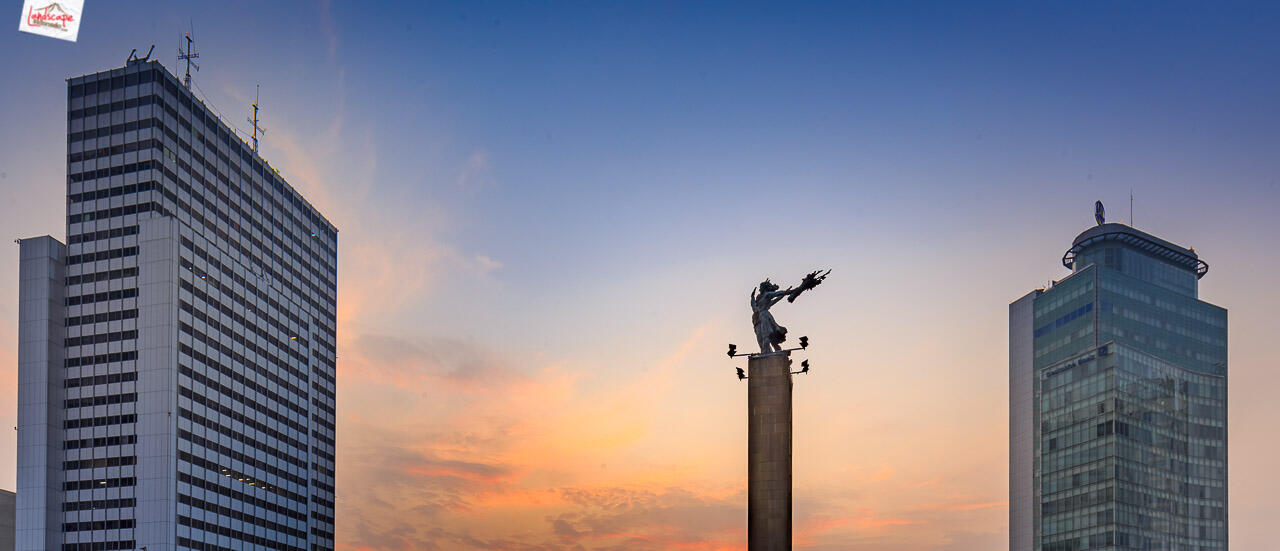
[(769, 418)]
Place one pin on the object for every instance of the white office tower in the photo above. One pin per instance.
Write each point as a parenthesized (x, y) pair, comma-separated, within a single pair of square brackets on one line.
[(176, 355)]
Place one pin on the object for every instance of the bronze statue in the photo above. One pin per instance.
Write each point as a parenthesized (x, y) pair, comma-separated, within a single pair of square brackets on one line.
[(769, 334)]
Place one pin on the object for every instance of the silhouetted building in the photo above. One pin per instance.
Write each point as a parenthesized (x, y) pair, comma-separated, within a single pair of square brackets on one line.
[(7, 514)]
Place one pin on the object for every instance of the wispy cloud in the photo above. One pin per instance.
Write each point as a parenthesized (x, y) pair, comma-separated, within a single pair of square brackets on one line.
[(327, 28), (477, 172)]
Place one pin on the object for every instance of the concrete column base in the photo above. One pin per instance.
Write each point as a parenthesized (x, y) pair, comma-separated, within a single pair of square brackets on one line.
[(769, 452)]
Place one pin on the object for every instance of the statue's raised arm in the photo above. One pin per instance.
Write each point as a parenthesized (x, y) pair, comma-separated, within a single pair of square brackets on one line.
[(769, 334)]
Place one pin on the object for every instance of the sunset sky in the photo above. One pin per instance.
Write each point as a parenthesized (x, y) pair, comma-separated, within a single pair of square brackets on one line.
[(551, 217)]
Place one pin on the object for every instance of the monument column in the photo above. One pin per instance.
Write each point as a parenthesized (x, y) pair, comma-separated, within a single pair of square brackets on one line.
[(769, 452), (768, 377)]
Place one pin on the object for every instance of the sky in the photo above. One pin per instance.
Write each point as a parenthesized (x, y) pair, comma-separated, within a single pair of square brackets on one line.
[(551, 216)]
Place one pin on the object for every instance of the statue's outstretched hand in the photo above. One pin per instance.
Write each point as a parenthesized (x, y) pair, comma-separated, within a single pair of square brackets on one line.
[(812, 280)]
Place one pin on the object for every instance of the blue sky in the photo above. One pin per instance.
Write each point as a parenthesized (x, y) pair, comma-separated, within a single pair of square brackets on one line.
[(571, 201)]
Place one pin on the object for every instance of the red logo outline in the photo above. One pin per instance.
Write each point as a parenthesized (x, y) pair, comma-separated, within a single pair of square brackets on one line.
[(48, 20)]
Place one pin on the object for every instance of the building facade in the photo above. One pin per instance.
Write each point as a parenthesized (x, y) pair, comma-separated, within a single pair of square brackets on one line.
[(176, 354), (1118, 402)]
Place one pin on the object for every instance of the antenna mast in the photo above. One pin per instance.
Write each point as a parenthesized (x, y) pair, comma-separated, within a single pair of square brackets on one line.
[(254, 119), (1131, 207), (190, 58)]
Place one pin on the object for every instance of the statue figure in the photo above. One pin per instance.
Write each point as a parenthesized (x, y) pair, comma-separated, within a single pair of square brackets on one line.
[(769, 334)]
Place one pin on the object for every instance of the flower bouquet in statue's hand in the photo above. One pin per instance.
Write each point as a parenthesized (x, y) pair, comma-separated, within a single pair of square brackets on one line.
[(810, 281)]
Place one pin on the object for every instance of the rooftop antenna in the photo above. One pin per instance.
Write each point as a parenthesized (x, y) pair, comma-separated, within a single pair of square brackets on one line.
[(133, 56), (1131, 206), (254, 119), (190, 58)]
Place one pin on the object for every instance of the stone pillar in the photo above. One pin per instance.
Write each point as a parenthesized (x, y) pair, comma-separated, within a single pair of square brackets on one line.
[(769, 452)]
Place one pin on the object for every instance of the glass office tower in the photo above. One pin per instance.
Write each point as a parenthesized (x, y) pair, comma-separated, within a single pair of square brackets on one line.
[(176, 357), (1118, 395)]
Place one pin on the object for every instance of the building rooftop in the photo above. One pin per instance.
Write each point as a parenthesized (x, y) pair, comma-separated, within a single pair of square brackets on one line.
[(1140, 240), (176, 83)]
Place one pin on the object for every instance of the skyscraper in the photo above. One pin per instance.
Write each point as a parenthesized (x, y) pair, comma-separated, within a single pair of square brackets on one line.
[(176, 358), (1117, 402)]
